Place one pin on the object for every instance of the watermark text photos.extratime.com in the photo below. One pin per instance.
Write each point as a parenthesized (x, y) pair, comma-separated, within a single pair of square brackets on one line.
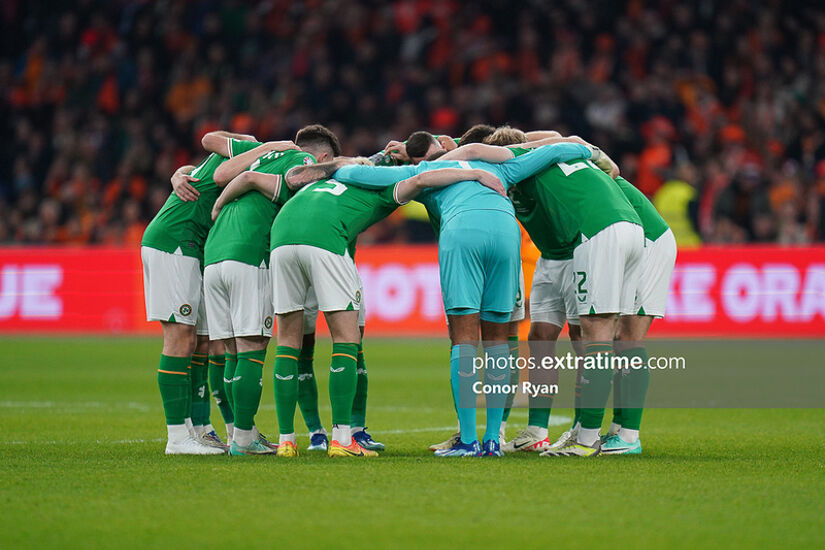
[(571, 361)]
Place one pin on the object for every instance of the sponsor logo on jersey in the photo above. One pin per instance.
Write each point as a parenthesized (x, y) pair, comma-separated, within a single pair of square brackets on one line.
[(185, 310)]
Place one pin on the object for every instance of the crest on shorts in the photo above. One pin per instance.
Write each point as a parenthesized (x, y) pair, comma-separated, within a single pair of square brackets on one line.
[(357, 296), (185, 310), (268, 322)]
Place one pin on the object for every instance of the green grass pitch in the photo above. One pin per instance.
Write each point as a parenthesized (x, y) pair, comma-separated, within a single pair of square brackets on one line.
[(82, 466)]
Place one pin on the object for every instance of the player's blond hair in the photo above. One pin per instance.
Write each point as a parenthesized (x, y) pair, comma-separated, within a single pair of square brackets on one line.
[(505, 135)]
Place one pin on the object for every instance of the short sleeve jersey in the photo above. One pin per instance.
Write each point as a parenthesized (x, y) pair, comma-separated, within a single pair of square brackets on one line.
[(241, 232), (653, 223), (182, 226), (329, 214), (585, 199)]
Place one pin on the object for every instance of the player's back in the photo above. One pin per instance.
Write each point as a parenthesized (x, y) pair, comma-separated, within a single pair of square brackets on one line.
[(445, 202), (185, 224), (330, 215), (588, 196), (653, 222)]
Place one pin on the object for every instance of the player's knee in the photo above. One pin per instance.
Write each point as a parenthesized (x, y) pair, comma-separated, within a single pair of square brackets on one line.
[(542, 332), (179, 340), (216, 347), (251, 343), (202, 344), (574, 331)]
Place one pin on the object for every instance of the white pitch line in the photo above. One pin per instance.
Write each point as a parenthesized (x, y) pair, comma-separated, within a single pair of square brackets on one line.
[(74, 405)]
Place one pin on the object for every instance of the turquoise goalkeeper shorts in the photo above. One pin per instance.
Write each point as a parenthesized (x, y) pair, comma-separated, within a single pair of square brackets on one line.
[(478, 258)]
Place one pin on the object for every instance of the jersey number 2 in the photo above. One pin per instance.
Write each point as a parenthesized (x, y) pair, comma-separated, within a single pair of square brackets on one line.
[(576, 166)]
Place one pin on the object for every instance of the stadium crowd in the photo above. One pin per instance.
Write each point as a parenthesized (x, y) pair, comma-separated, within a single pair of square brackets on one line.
[(714, 109)]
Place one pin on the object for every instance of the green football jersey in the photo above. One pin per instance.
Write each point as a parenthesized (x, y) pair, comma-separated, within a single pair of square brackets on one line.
[(583, 199), (182, 225), (553, 232), (652, 222), (241, 232), (329, 214)]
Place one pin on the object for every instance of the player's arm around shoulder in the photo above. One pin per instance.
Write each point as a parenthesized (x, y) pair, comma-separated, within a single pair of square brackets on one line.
[(268, 185), (542, 158), (599, 157), (235, 165), (182, 183), (219, 141), (374, 177), (300, 176), (479, 151), (409, 189)]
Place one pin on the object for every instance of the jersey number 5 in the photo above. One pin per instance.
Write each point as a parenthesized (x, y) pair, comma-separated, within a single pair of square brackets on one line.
[(337, 188)]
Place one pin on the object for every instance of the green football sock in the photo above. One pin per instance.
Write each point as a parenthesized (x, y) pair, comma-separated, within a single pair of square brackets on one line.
[(173, 382), (634, 390), (541, 405), (189, 393), (342, 382), (539, 416), (217, 367), (512, 343), (307, 389), (617, 396), (578, 348), (286, 387), (228, 376), (359, 404), (577, 399), (596, 386), (246, 389), (200, 390)]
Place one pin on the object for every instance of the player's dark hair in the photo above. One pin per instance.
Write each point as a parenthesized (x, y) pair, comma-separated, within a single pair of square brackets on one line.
[(419, 143), (476, 134), (437, 155), (316, 135)]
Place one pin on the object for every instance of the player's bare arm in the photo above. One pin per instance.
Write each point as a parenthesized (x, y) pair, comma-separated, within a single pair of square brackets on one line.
[(182, 186), (599, 157), (235, 165), (300, 176), (447, 142), (218, 141), (398, 151), (541, 134), (480, 151), (268, 185), (409, 188)]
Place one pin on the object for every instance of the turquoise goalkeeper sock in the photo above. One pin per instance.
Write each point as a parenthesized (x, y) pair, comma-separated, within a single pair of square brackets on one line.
[(496, 377), (461, 380)]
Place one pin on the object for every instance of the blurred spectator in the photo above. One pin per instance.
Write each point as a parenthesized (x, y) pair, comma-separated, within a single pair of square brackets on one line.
[(716, 109), (676, 201)]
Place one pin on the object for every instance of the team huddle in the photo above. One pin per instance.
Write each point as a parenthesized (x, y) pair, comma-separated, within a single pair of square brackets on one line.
[(264, 234)]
